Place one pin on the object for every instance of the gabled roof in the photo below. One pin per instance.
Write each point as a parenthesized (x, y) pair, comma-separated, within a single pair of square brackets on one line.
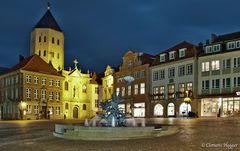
[(35, 64), (48, 21)]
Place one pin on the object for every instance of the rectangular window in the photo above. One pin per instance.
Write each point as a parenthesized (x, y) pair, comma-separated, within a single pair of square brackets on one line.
[(237, 62), (96, 103), (129, 90), (44, 94), (216, 48), (53, 40), (142, 73), (226, 63), (162, 58), (208, 49), (182, 52), (57, 110), (236, 81), (123, 91), (171, 72), (215, 83), (16, 79), (58, 96), (181, 70), (155, 92), (181, 89), (190, 86), (238, 44), (155, 75), (51, 82), (205, 84), (136, 89), (162, 74), (28, 93), (58, 42), (189, 70), (28, 79), (215, 65), (142, 88), (162, 91), (231, 45), (172, 55), (228, 82), (117, 91), (44, 81), (205, 66), (171, 91), (51, 96), (57, 83), (35, 80), (35, 93), (16, 93), (29, 109), (35, 109)]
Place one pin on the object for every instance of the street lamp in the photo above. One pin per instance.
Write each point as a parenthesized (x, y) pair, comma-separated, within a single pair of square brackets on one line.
[(187, 100), (23, 106)]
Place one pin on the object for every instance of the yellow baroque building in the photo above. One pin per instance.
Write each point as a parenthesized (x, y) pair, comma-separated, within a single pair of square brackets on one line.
[(38, 87), (107, 83)]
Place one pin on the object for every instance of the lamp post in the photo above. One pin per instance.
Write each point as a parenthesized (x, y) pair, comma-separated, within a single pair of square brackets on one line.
[(187, 100), (23, 106)]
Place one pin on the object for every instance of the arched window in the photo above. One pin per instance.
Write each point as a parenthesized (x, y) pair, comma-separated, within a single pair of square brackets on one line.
[(66, 86), (44, 53), (84, 106), (58, 42), (39, 39), (171, 109), (45, 39), (158, 110), (66, 106), (39, 52), (53, 40)]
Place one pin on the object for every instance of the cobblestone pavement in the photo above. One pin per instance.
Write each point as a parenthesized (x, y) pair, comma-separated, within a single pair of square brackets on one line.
[(200, 134)]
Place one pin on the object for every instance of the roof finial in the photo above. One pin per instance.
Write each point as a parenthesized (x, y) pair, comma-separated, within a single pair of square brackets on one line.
[(48, 6), (75, 62)]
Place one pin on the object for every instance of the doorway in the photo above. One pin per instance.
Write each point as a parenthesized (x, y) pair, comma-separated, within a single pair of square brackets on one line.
[(75, 112), (171, 109)]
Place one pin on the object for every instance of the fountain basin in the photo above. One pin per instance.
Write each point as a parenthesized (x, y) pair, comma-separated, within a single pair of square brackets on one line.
[(104, 133)]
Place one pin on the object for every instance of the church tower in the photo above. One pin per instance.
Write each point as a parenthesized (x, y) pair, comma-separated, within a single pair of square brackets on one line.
[(47, 41)]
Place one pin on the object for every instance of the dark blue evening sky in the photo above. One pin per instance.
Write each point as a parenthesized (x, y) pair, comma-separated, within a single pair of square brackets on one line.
[(99, 32)]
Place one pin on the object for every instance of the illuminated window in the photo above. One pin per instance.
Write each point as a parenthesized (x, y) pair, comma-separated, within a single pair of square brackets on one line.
[(28, 93), (215, 65), (136, 89), (181, 88), (29, 109), (35, 80), (162, 91), (171, 91), (44, 94), (57, 110), (51, 82), (123, 91), (44, 81), (155, 92), (51, 96), (189, 86), (35, 93), (117, 91), (35, 109), (142, 88), (57, 83), (205, 66), (58, 96), (28, 79), (129, 90)]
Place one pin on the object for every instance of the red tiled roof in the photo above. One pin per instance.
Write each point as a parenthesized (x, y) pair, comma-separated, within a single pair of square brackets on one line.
[(36, 64)]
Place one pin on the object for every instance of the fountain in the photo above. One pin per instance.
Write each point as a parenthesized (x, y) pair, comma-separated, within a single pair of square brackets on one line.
[(111, 126)]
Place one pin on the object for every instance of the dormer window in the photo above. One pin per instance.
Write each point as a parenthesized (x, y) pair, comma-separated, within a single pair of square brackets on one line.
[(182, 52), (208, 49), (162, 58), (238, 44), (231, 45), (172, 55), (216, 48)]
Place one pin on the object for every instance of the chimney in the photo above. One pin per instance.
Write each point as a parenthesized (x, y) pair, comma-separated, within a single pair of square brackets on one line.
[(213, 37), (21, 58)]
